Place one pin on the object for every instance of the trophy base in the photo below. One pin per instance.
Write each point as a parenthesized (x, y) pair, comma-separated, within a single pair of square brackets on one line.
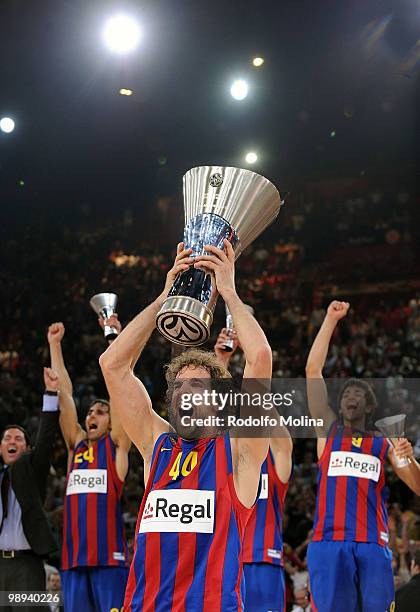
[(110, 333), (184, 320)]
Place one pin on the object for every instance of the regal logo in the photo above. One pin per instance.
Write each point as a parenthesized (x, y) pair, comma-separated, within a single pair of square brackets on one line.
[(179, 510), (359, 465), (87, 481)]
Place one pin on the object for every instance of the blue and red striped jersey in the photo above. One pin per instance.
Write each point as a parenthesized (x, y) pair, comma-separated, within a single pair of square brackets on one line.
[(351, 488), (93, 530), (263, 542), (189, 531)]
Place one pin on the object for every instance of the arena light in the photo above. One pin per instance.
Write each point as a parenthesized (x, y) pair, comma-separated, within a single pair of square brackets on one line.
[(239, 89), (121, 33), (7, 125), (126, 92), (251, 157), (258, 62)]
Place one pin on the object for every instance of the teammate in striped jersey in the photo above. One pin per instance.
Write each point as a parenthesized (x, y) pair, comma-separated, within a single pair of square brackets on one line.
[(200, 486), (265, 587), (94, 551), (348, 559)]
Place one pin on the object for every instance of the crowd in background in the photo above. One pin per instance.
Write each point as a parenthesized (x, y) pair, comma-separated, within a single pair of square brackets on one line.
[(361, 248)]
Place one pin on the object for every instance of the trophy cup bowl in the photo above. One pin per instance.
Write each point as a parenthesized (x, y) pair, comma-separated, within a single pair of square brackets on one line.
[(393, 427), (219, 203), (105, 304)]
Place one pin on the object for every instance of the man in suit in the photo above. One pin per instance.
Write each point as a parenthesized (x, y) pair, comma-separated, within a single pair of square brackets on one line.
[(25, 536), (407, 597)]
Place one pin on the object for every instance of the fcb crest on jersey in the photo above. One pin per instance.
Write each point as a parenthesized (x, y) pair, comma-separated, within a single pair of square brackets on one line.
[(357, 441)]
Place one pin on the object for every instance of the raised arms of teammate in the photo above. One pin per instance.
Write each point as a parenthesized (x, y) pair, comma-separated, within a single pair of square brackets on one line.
[(248, 454), (70, 427), (72, 431), (316, 389), (127, 393)]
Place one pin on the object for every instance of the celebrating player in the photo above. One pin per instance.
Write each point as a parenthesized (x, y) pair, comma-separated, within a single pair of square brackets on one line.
[(348, 559), (263, 542), (200, 490), (25, 535), (94, 554)]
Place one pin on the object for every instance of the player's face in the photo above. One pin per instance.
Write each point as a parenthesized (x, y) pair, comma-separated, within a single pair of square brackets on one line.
[(98, 421), (191, 380), (353, 404), (12, 445)]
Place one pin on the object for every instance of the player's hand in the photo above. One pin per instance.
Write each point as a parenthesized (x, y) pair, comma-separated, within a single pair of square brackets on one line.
[(113, 321), (181, 263), (55, 333), (337, 310), (403, 449), (50, 379), (221, 265), (219, 348)]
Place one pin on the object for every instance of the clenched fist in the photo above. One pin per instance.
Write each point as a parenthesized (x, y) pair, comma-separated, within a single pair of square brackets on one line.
[(55, 333), (337, 310), (50, 379), (403, 449), (113, 321)]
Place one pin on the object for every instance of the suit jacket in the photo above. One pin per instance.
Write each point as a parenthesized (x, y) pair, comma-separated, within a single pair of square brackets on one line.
[(28, 477), (407, 598)]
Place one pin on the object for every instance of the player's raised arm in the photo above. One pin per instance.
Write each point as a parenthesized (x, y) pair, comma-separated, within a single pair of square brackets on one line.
[(248, 453), (281, 446), (70, 428), (316, 388), (127, 393), (118, 433)]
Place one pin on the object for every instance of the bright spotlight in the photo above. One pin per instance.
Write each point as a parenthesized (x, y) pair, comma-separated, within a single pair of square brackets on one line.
[(258, 61), (239, 90), (251, 157), (126, 92), (121, 34), (7, 125)]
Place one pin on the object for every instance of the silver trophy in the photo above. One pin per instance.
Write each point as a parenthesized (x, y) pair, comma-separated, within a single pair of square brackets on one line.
[(228, 346), (219, 203), (105, 305), (393, 427)]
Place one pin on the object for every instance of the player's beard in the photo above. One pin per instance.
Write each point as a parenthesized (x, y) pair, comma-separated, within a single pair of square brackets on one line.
[(192, 432)]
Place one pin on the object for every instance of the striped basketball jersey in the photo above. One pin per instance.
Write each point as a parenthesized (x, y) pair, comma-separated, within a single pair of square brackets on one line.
[(351, 488), (189, 531), (93, 530), (263, 542)]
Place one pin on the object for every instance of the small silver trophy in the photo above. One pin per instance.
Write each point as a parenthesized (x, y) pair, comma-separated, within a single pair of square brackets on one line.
[(219, 203), (228, 346), (105, 304), (393, 427)]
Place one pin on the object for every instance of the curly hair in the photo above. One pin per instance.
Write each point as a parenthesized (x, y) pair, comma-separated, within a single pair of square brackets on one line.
[(196, 357)]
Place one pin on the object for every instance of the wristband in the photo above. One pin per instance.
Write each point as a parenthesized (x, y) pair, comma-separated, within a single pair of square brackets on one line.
[(48, 392), (50, 403)]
